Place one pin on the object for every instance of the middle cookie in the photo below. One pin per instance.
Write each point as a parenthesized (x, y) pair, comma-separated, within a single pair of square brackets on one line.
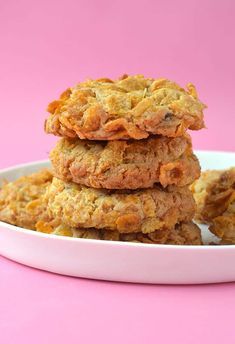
[(126, 164)]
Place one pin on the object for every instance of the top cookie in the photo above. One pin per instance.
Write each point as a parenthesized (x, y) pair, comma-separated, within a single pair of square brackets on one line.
[(130, 107)]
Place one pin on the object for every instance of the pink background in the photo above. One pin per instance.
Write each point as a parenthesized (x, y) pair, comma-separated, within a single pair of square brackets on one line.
[(47, 46)]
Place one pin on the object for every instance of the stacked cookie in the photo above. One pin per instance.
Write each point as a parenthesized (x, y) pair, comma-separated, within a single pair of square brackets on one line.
[(124, 163)]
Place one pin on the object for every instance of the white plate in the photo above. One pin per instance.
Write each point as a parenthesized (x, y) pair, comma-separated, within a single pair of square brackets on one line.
[(120, 261)]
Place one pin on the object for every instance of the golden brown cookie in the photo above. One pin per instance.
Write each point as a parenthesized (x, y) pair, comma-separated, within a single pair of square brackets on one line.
[(21, 201), (223, 226), (130, 107), (214, 194), (125, 211), (182, 234), (126, 164)]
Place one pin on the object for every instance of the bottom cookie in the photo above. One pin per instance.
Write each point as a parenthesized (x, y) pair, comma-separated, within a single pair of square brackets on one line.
[(182, 234)]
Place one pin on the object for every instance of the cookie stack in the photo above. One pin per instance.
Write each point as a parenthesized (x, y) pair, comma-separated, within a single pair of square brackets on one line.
[(124, 163)]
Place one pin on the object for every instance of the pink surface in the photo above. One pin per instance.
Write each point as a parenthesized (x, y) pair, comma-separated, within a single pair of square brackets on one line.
[(38, 307), (49, 45)]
